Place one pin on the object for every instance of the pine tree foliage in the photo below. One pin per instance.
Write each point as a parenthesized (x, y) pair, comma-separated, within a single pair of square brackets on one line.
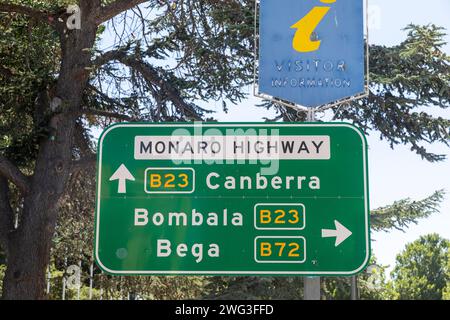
[(409, 84), (405, 212)]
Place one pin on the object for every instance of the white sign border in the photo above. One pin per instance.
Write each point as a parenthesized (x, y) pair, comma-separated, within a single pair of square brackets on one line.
[(207, 273)]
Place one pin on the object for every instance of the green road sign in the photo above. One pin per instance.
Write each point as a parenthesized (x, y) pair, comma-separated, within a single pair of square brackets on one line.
[(232, 199)]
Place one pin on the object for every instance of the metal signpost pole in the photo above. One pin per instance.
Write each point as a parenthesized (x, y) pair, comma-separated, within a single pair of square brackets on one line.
[(64, 279), (311, 289), (354, 293), (318, 87), (49, 276), (91, 280)]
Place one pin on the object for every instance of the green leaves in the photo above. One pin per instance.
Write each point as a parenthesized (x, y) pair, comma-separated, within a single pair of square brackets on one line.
[(371, 284), (28, 57), (421, 271)]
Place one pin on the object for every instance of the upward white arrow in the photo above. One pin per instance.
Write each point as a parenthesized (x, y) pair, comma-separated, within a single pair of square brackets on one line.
[(341, 233), (122, 174)]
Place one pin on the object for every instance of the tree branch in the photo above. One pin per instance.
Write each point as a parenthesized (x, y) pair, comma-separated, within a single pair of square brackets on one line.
[(110, 11), (152, 76), (85, 162), (81, 140), (12, 173), (111, 102), (108, 114), (87, 158), (109, 56), (404, 212), (31, 12)]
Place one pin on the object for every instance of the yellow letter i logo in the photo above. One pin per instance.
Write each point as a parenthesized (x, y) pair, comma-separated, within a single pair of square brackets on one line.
[(302, 41)]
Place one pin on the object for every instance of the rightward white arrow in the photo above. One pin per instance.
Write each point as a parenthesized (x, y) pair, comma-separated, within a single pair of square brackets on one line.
[(122, 174), (341, 233)]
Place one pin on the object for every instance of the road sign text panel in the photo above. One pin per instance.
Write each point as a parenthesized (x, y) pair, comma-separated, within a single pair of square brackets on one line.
[(233, 215)]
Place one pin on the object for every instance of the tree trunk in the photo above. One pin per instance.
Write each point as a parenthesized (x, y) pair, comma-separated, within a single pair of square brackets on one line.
[(29, 245), (27, 263)]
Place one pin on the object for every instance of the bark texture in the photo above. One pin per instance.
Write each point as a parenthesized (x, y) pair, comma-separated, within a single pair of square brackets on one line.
[(28, 246)]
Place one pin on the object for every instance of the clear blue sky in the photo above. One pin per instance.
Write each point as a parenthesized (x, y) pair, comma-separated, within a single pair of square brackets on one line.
[(399, 173)]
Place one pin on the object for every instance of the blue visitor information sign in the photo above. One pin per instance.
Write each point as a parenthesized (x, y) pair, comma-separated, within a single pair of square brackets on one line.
[(311, 52)]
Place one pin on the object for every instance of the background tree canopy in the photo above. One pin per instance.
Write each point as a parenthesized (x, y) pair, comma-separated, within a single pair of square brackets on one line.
[(165, 57), (421, 271)]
